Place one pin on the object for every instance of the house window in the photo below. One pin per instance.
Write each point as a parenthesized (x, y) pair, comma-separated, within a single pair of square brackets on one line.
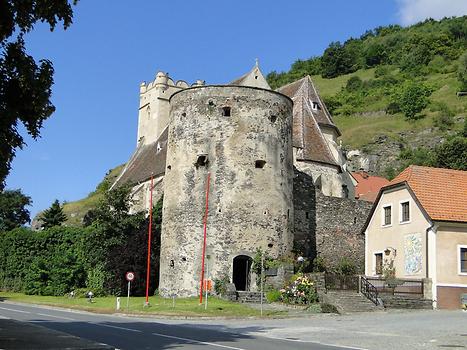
[(315, 106), (387, 215), (379, 263), (462, 259), (405, 212)]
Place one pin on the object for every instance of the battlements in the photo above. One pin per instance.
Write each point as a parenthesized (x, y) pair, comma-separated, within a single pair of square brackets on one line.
[(163, 81)]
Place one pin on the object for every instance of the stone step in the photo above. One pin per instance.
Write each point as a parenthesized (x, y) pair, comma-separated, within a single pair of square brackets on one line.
[(349, 301)]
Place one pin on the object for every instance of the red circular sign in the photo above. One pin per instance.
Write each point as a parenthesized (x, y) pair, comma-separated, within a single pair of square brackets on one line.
[(130, 276)]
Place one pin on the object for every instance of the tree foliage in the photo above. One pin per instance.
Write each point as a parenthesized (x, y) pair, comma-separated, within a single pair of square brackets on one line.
[(25, 85), (412, 98), (462, 72), (54, 216), (57, 260), (13, 212), (410, 49)]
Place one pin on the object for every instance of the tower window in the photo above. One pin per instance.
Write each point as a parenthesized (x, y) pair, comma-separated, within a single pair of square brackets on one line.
[(226, 111), (259, 164), (202, 160), (273, 118)]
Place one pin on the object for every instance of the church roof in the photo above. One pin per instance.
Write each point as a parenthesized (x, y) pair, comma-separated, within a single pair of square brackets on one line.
[(309, 114), (305, 88), (253, 78), (146, 160), (307, 135)]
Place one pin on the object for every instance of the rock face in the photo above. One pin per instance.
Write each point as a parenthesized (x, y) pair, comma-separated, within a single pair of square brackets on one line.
[(242, 137), (383, 153)]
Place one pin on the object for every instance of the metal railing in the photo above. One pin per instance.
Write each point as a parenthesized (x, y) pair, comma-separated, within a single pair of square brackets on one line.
[(341, 282), (369, 290), (398, 286)]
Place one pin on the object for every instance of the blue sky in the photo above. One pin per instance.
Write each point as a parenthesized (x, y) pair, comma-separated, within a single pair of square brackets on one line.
[(112, 46)]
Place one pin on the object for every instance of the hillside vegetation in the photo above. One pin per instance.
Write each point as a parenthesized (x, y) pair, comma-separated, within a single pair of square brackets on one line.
[(75, 211), (398, 82)]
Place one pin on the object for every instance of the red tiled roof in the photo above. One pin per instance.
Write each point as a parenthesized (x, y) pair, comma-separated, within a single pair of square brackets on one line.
[(441, 192), (368, 187)]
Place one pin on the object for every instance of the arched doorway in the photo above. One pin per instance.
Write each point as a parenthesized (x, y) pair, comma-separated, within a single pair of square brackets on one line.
[(241, 272)]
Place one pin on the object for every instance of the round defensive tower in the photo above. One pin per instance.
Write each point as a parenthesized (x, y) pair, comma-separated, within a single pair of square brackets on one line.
[(242, 137)]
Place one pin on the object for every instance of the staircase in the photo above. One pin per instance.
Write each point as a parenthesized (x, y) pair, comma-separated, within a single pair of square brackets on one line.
[(347, 301), (250, 297)]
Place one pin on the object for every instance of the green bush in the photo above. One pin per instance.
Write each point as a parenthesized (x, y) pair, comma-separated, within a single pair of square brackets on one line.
[(346, 267), (328, 309), (273, 295), (220, 285)]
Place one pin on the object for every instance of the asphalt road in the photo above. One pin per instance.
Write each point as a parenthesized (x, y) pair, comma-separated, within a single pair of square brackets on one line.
[(141, 333)]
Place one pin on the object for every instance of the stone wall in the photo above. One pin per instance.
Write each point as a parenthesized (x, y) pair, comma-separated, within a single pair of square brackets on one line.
[(328, 227), (242, 138)]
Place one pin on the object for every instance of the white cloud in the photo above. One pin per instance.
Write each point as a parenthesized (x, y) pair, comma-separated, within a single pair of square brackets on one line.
[(412, 11)]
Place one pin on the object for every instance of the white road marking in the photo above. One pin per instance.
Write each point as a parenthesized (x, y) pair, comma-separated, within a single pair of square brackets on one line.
[(197, 341), (116, 327), (4, 318), (313, 342), (23, 312), (61, 317)]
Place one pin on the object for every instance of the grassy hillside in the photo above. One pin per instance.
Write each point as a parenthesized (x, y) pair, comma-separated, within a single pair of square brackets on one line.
[(359, 128), (75, 211), (363, 79)]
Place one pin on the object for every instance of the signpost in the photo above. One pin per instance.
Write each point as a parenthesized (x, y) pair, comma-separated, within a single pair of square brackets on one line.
[(130, 276)]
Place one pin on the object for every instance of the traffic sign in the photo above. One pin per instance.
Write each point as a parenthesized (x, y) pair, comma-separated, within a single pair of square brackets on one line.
[(130, 276)]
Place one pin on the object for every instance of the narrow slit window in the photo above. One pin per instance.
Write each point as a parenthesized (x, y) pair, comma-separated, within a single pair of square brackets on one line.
[(202, 160), (226, 111), (273, 118), (259, 164)]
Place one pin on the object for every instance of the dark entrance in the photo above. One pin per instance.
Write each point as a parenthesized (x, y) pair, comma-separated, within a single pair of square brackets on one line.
[(241, 272)]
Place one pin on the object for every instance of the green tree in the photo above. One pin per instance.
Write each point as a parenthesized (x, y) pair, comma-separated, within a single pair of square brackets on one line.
[(25, 85), (412, 98), (337, 60), (54, 216), (452, 154), (462, 72), (13, 212)]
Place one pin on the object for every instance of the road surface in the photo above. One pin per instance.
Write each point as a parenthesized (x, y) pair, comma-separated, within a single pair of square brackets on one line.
[(143, 333)]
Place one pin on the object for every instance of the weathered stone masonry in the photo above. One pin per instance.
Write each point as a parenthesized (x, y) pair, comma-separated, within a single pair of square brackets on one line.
[(241, 136), (328, 227)]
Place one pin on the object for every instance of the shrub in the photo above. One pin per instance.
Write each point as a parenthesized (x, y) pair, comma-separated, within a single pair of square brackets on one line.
[(273, 295), (301, 290), (319, 264), (354, 84), (346, 267), (328, 309), (220, 284)]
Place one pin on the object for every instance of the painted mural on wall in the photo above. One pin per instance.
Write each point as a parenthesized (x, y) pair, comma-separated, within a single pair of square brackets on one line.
[(413, 254)]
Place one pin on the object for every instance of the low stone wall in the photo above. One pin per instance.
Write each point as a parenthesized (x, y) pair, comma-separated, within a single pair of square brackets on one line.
[(405, 302)]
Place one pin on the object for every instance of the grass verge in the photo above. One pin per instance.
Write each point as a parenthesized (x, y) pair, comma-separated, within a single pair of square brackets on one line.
[(183, 307)]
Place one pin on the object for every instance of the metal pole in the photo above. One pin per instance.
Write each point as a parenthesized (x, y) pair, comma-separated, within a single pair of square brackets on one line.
[(206, 287), (204, 240), (148, 268), (262, 281), (128, 298)]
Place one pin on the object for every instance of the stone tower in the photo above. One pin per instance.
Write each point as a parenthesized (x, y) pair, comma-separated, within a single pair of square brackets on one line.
[(242, 136), (153, 114)]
